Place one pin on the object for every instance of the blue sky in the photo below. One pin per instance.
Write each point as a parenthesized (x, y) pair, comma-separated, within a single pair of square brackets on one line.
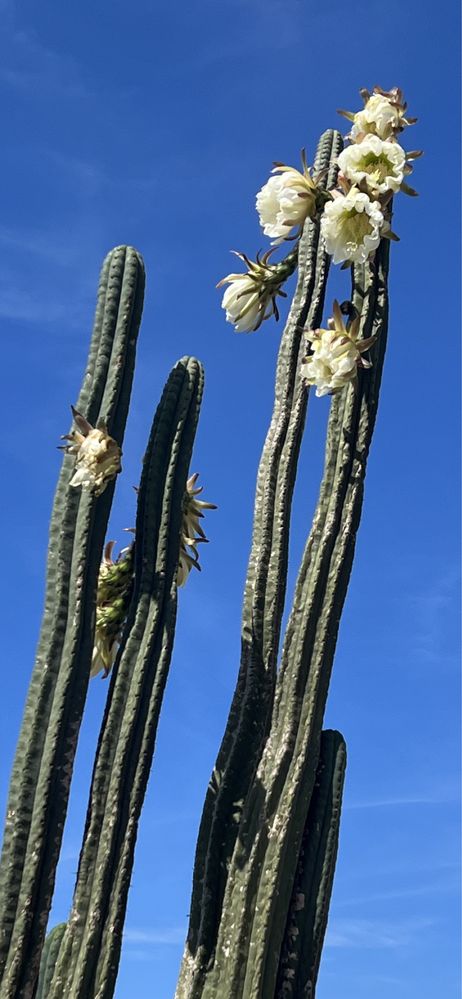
[(155, 126)]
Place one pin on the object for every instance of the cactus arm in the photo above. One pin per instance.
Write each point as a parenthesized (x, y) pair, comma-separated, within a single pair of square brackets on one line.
[(263, 866), (44, 759), (308, 912), (48, 960), (90, 950), (263, 606)]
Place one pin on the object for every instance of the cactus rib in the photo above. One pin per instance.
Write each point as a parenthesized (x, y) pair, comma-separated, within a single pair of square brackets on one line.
[(44, 759)]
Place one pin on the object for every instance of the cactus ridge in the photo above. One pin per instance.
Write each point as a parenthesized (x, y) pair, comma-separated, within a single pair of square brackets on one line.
[(264, 597), (308, 912), (90, 951), (46, 749), (275, 810)]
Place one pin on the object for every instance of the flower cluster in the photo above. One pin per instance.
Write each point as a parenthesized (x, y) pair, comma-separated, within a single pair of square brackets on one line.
[(97, 456), (353, 219), (336, 354), (371, 170), (192, 533), (115, 584)]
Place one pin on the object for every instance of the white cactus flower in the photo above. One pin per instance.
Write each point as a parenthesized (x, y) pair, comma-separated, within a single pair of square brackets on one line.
[(336, 355), (384, 114), (285, 201), (243, 304), (251, 297), (352, 226), (97, 456), (379, 164), (380, 116)]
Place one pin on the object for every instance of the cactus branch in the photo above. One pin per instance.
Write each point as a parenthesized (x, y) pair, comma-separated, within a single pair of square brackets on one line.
[(263, 866), (90, 949), (263, 606), (43, 764)]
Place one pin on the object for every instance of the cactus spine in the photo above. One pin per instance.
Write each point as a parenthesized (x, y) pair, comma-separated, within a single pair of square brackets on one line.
[(43, 765)]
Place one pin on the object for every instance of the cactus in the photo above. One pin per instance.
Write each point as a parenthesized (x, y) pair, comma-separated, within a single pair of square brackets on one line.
[(48, 960), (263, 606), (43, 764), (261, 871), (90, 949), (309, 905)]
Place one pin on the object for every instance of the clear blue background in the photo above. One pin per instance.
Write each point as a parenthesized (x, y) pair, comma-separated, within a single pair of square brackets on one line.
[(155, 124)]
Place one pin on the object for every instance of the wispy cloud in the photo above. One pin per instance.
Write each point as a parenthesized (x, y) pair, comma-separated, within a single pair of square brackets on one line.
[(156, 937), (406, 800), (374, 934)]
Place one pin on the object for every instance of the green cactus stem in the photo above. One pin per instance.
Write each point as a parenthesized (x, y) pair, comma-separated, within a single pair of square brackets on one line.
[(263, 867), (90, 950), (264, 598), (48, 960), (309, 906), (44, 759)]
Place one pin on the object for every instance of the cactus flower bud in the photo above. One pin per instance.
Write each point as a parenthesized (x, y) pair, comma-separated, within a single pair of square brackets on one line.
[(115, 583)]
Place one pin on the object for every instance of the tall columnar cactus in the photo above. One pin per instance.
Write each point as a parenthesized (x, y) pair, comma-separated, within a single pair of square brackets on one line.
[(89, 952), (43, 764), (251, 832), (263, 605)]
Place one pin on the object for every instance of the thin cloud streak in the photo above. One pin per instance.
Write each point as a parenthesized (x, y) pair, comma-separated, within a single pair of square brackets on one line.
[(375, 935), (170, 936), (402, 801)]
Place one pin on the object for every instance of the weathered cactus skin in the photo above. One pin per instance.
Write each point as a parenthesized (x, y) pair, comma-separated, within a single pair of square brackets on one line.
[(90, 950), (48, 960), (263, 606), (309, 906), (44, 759)]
